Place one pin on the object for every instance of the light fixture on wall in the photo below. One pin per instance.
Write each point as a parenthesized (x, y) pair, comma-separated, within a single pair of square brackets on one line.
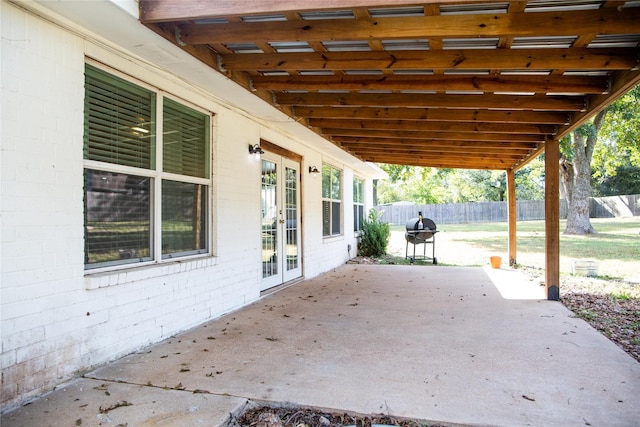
[(313, 170), (256, 151)]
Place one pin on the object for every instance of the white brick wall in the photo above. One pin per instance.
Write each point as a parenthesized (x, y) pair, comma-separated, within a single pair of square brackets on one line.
[(56, 321)]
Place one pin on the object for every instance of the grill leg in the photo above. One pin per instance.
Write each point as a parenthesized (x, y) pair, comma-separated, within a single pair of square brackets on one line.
[(433, 249)]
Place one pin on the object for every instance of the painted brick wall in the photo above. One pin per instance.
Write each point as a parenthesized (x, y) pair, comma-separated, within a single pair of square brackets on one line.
[(56, 322)]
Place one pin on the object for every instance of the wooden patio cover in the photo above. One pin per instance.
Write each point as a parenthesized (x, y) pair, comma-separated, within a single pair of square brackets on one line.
[(448, 84)]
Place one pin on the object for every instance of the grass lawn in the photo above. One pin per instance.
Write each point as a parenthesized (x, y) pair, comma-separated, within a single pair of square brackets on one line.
[(615, 248)]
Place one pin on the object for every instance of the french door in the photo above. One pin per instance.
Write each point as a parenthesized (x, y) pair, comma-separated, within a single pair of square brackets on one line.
[(281, 259)]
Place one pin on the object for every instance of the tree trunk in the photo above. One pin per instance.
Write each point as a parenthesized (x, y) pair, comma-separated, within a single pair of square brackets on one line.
[(576, 177)]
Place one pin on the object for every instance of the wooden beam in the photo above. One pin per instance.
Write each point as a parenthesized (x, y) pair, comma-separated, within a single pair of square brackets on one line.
[(438, 163), (473, 59), (512, 217), (552, 218), (503, 102), (470, 160), (498, 152), (181, 10), (441, 82), (453, 136), (436, 114), (522, 24), (434, 126), (437, 155), (441, 151), (520, 147), (281, 151)]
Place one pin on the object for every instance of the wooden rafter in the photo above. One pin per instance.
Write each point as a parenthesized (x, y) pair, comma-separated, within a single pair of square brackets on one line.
[(520, 146), (486, 101), (521, 83), (550, 24), (434, 114), (451, 83), (155, 11), (520, 59), (424, 126)]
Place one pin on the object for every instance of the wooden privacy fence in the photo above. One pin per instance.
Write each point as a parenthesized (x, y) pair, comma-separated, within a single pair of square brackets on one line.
[(526, 210)]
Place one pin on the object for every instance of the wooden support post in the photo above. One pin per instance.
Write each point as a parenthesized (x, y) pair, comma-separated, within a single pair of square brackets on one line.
[(511, 209), (552, 218)]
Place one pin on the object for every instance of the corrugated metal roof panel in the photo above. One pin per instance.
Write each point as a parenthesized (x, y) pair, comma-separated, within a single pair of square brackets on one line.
[(467, 43), (328, 14), (347, 46), (542, 42), (244, 48), (264, 18), (613, 40), (474, 9), (291, 47), (395, 12), (416, 44), (562, 5)]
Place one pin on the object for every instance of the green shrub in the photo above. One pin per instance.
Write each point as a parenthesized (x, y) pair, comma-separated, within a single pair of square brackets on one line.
[(374, 236)]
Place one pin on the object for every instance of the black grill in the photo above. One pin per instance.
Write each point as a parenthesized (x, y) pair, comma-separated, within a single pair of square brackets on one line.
[(421, 234)]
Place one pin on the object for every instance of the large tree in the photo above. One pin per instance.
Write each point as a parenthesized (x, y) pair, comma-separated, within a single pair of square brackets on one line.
[(575, 171), (616, 159)]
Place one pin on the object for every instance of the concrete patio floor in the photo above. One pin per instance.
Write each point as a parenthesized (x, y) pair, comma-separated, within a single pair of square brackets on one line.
[(464, 345)]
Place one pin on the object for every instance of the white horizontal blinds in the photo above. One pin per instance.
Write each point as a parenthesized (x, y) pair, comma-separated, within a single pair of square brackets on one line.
[(184, 218), (117, 218), (185, 152), (119, 125), (185, 137), (119, 129)]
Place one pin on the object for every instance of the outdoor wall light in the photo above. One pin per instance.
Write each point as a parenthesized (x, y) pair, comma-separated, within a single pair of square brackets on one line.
[(256, 151), (313, 170)]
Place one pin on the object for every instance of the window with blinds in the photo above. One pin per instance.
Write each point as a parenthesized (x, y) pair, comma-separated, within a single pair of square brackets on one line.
[(131, 191), (185, 131), (119, 121), (331, 201)]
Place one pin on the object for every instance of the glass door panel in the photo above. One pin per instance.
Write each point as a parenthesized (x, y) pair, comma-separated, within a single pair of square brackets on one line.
[(269, 219), (280, 194)]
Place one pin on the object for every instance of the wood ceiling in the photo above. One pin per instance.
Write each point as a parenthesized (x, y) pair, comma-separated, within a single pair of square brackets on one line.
[(449, 84)]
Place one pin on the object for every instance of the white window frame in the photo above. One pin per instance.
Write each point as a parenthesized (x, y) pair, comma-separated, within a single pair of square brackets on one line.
[(357, 221), (157, 176), (331, 202)]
